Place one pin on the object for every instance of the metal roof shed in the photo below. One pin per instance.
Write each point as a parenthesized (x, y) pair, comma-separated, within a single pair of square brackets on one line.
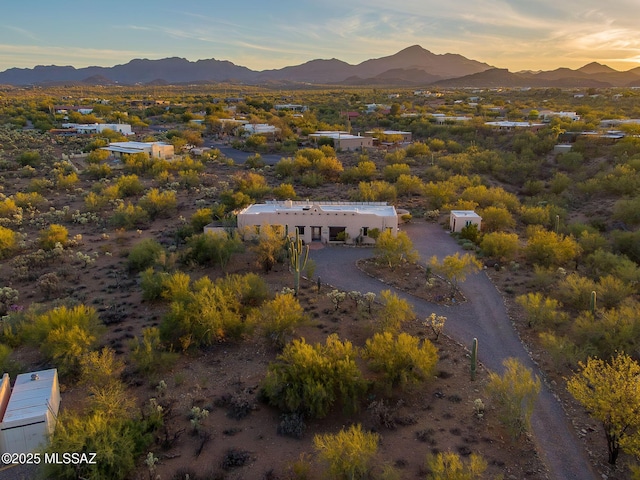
[(30, 417)]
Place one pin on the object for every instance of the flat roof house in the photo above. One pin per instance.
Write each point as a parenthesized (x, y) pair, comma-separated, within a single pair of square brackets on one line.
[(30, 411), (348, 222), (153, 149), (463, 218), (344, 141)]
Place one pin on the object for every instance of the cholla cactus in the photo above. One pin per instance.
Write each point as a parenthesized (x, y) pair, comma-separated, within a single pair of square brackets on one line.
[(436, 323), (355, 296), (8, 297), (478, 407), (337, 297), (369, 298), (197, 416)]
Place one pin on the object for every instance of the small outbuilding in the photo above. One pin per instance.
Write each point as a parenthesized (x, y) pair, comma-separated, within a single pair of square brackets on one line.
[(31, 411), (463, 218)]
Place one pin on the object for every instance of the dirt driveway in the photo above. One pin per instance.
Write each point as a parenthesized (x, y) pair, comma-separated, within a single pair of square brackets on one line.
[(484, 317)]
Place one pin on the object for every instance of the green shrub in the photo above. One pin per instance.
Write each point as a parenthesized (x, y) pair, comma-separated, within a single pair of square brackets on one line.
[(144, 254), (311, 379), (278, 318), (348, 453), (403, 359), (49, 237)]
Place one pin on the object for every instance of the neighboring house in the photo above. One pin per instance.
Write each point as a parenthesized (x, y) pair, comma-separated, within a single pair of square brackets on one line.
[(442, 119), (506, 125), (406, 136), (260, 129), (153, 149), (463, 218), (616, 122), (547, 115), (89, 128), (344, 141), (65, 109), (29, 412), (292, 107), (324, 222)]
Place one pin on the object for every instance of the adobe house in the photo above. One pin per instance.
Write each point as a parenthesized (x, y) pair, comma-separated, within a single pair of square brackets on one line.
[(463, 218), (348, 222)]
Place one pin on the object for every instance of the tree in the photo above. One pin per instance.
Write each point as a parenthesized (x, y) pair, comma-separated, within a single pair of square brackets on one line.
[(159, 204), (348, 453), (500, 245), (515, 393), (310, 379), (395, 250), (394, 313), (455, 268), (542, 312), (8, 241), (449, 466), (610, 391), (279, 318), (270, 246), (496, 219), (49, 237), (402, 359), (549, 248)]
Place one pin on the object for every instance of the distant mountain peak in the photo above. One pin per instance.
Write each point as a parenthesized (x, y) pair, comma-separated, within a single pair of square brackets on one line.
[(595, 67)]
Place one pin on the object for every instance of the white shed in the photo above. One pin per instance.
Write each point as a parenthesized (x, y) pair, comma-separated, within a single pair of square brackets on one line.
[(463, 218), (32, 411)]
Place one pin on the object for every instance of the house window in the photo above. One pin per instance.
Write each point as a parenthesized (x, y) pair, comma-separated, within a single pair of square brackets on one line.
[(337, 234), (365, 231), (300, 229)]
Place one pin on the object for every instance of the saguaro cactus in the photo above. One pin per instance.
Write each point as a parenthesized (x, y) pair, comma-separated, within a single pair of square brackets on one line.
[(298, 256), (474, 358), (594, 297)]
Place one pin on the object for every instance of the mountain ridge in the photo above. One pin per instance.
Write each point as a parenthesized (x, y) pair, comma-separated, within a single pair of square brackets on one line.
[(411, 66)]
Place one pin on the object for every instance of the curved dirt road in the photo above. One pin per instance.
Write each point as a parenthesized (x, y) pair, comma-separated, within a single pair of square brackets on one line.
[(484, 317)]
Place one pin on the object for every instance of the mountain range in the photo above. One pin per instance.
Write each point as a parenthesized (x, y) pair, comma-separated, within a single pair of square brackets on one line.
[(412, 66)]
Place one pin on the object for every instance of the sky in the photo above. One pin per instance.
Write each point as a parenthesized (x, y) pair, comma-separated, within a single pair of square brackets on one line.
[(261, 35)]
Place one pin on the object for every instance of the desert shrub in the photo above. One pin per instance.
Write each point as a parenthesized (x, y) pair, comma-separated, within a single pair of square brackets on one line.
[(8, 241), (602, 262), (284, 191), (612, 291), (394, 312), (201, 218), (49, 237), (348, 453), (610, 331), (311, 379), (159, 204), (9, 209), (30, 157), (548, 248), (285, 168), (376, 191), (270, 247), (152, 284), (391, 172), (542, 312), (144, 254), (409, 185), (365, 170), (395, 250), (397, 156), (574, 291), (292, 425), (129, 185), (403, 359), (204, 312), (148, 354), (449, 466), (500, 245), (98, 171), (496, 219), (254, 161), (67, 182), (129, 216), (535, 215), (64, 335), (515, 393), (278, 318), (213, 248), (417, 149), (470, 232), (30, 200)]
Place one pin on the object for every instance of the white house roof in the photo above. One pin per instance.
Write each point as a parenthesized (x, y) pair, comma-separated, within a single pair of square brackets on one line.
[(31, 398), (132, 147), (334, 135), (465, 214), (514, 124), (371, 208)]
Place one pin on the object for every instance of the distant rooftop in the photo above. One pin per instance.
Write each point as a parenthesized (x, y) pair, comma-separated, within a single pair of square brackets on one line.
[(373, 208)]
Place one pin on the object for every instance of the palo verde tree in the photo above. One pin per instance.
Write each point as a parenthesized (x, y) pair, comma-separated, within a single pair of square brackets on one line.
[(455, 268), (348, 453), (393, 251), (515, 393), (610, 391)]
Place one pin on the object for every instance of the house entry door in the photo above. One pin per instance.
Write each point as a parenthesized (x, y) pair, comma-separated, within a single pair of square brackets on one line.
[(316, 235)]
